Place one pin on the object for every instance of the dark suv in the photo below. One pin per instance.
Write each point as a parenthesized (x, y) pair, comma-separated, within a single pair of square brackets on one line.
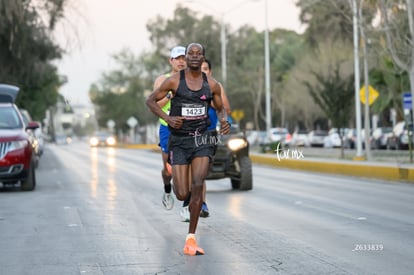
[(17, 157), (232, 160)]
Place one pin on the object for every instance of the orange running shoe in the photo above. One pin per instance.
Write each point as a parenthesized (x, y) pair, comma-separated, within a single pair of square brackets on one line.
[(191, 248)]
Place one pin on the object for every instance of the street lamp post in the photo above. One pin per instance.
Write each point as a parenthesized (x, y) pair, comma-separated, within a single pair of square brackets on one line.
[(223, 34), (267, 54), (267, 74), (357, 79)]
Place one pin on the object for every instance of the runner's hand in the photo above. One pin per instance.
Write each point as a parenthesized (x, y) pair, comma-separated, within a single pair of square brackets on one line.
[(175, 122), (225, 127)]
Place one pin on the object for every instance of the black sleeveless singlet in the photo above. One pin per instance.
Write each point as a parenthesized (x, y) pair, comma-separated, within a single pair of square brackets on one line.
[(193, 105)]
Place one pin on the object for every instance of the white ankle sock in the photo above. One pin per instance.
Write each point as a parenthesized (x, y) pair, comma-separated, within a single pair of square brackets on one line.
[(190, 236)]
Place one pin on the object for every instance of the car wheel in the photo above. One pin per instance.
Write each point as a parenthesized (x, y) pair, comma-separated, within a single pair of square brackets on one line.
[(37, 158), (399, 146), (235, 184), (245, 182), (29, 183), (388, 145)]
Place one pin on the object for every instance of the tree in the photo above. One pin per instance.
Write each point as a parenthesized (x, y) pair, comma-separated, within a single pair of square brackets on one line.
[(391, 82), (245, 82), (326, 20), (333, 94), (245, 78), (186, 26), (398, 25), (27, 49), (120, 93)]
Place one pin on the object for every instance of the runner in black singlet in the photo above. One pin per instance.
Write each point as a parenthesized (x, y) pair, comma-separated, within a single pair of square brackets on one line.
[(190, 146)]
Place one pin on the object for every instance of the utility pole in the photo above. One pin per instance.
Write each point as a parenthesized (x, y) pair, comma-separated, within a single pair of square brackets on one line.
[(357, 79), (267, 75), (366, 85)]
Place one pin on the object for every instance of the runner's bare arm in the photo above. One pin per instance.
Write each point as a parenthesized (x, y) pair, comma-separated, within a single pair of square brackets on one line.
[(218, 103), (225, 100), (169, 84), (157, 83)]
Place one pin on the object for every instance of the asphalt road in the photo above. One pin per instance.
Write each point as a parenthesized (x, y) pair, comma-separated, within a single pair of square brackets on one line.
[(98, 211)]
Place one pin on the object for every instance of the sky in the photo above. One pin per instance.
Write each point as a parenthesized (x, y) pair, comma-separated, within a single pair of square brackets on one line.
[(96, 29)]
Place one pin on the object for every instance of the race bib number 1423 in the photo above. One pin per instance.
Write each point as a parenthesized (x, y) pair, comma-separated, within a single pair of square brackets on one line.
[(193, 111)]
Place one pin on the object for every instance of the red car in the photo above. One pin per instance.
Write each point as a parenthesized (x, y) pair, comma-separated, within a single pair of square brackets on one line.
[(17, 157)]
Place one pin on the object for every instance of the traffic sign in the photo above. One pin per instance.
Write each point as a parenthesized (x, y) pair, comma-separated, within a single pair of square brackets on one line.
[(110, 123), (237, 115), (132, 122), (407, 101), (372, 94)]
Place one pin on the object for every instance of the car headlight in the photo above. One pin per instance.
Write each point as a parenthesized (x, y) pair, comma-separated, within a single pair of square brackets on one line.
[(236, 144), (93, 141), (110, 141), (16, 145)]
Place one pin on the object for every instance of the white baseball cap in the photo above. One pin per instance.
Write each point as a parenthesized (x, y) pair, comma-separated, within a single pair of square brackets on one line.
[(177, 51)]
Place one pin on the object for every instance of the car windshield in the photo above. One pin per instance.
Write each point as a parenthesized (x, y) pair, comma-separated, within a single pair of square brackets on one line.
[(102, 135), (303, 132), (320, 133), (279, 132), (9, 118)]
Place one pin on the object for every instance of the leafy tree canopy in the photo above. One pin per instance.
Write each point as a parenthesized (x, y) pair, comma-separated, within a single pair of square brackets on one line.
[(27, 51)]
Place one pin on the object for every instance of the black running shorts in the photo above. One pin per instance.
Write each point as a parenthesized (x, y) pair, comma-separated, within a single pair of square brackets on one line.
[(183, 149)]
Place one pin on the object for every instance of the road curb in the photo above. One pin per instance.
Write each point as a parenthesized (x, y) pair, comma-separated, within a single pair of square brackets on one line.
[(394, 172), (360, 169), (140, 146)]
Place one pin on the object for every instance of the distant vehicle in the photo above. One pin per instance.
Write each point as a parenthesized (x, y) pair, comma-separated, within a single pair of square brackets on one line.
[(17, 155), (232, 160), (281, 135), (40, 139), (398, 139), (317, 138), (350, 138), (300, 138), (34, 135), (380, 136), (102, 139), (256, 137), (262, 137), (333, 140), (252, 137), (62, 139)]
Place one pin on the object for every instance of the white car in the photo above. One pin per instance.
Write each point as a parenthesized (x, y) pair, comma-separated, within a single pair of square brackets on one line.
[(300, 138), (102, 139), (380, 136), (280, 135), (317, 138), (332, 140)]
